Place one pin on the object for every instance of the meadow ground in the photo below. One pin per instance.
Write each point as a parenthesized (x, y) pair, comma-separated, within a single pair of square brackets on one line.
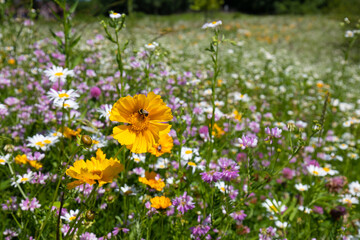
[(263, 144)]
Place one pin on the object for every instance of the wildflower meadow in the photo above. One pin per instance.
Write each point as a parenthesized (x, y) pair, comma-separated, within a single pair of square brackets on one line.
[(176, 127)]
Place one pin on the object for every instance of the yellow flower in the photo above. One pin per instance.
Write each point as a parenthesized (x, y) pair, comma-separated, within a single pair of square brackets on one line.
[(150, 180), (69, 133), (21, 159), (98, 169), (164, 145), (35, 164), (160, 202), (145, 118), (217, 131)]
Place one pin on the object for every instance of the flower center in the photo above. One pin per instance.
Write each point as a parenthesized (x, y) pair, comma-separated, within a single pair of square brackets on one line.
[(214, 22), (47, 141), (58, 74), (72, 218), (347, 201), (138, 122), (188, 151), (326, 169), (62, 95), (273, 208), (115, 13), (2, 160), (191, 164), (96, 172), (315, 172), (24, 179), (41, 144), (302, 189)]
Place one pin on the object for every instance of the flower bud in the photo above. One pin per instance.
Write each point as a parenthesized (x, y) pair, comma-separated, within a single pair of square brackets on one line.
[(86, 140), (90, 215)]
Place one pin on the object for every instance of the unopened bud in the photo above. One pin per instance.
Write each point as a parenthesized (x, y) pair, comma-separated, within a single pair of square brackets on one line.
[(86, 140), (90, 215), (9, 148)]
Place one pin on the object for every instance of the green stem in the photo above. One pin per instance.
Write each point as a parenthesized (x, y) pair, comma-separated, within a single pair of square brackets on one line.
[(16, 183)]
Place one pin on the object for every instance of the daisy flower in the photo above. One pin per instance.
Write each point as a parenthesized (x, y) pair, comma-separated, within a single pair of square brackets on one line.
[(115, 15), (138, 157), (188, 153), (302, 187), (212, 24), (146, 119), (41, 142), (305, 209), (151, 46), (348, 199), (4, 159), (354, 188), (105, 111), (67, 104), (23, 178), (329, 171), (127, 190), (62, 96), (97, 142), (316, 171), (221, 186), (161, 163), (58, 73), (274, 206), (281, 224), (70, 216)]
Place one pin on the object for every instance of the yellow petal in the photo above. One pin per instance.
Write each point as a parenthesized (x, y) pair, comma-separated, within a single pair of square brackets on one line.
[(124, 135)]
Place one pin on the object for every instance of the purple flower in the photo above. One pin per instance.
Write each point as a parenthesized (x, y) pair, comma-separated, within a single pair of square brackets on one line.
[(88, 236), (201, 229), (184, 203), (230, 169), (238, 216), (211, 176), (10, 204), (267, 234), (27, 205), (95, 92), (273, 133), (248, 141)]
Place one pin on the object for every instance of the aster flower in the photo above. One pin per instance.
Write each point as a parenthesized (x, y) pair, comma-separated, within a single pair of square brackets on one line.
[(221, 186), (184, 203), (98, 169), (67, 104), (164, 145), (58, 73), (152, 181), (145, 118), (126, 190), (23, 178), (160, 202), (161, 163), (280, 224)]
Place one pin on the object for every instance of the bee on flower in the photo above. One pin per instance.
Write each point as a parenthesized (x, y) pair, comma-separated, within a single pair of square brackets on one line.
[(58, 73), (145, 120)]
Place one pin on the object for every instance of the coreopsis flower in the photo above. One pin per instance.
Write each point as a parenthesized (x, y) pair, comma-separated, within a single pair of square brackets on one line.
[(145, 118), (4, 159), (152, 181), (69, 133), (62, 96), (41, 142), (164, 145), (212, 24), (58, 73), (21, 159), (160, 202), (98, 169)]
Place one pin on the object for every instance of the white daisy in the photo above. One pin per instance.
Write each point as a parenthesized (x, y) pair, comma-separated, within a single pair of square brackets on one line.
[(58, 73), (98, 142), (151, 46), (68, 104), (105, 111), (161, 163), (139, 157), (41, 142), (221, 186), (305, 209), (281, 224), (212, 24), (70, 216), (354, 188), (23, 178), (302, 187), (329, 171), (63, 95), (4, 159), (274, 207), (188, 153), (316, 171), (348, 199), (115, 15), (127, 190)]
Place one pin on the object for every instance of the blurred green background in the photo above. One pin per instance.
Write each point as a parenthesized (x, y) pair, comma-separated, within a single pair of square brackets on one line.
[(165, 7)]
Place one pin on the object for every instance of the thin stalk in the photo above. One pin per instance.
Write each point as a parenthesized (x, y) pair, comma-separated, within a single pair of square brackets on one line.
[(16, 183)]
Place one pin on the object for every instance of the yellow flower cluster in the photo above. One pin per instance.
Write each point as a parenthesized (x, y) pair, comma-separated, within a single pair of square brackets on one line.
[(150, 180), (98, 169), (160, 202), (22, 159)]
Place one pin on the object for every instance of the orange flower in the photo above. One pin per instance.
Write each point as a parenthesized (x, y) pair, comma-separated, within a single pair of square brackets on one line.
[(150, 180), (160, 202), (98, 169), (145, 118), (164, 145), (21, 159)]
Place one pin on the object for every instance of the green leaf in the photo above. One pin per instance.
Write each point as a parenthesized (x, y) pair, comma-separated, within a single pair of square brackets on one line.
[(73, 7)]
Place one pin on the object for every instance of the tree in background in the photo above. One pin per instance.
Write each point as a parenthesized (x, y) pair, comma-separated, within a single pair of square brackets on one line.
[(206, 6)]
